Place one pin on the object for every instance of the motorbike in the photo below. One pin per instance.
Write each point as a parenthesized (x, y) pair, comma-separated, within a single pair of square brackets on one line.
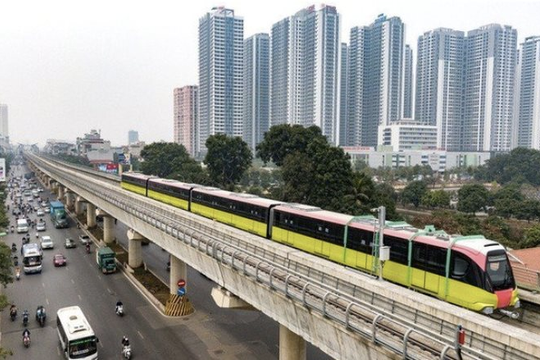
[(25, 318), (88, 248), (13, 248), (120, 310), (15, 260), (26, 341), (13, 313), (41, 316), (126, 351), (18, 274)]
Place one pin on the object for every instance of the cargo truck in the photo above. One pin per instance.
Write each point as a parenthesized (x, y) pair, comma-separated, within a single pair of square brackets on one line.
[(105, 258), (58, 215)]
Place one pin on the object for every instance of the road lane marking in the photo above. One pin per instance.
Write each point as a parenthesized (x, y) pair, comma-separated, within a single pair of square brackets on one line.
[(47, 301), (80, 298), (138, 332), (43, 284), (72, 281), (109, 291)]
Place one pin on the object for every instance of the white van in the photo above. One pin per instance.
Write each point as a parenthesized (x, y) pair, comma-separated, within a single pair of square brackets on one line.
[(22, 226)]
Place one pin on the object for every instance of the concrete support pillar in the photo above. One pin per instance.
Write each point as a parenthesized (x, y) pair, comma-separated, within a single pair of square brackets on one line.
[(108, 225), (178, 271), (61, 192), (69, 200), (78, 205), (90, 215), (135, 259), (291, 346)]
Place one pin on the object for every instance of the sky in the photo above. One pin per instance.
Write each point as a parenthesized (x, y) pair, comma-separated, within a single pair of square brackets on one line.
[(69, 66)]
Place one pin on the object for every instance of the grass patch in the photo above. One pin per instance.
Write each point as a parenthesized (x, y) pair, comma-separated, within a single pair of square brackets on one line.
[(152, 284)]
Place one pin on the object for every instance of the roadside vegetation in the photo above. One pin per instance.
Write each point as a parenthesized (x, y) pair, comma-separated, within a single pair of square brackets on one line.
[(500, 200)]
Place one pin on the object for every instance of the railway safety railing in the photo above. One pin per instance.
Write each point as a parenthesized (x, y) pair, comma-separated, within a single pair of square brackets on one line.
[(346, 303)]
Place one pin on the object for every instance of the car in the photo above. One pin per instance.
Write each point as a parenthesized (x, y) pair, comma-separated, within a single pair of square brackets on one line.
[(40, 212), (85, 239), (40, 189), (59, 260), (36, 207), (47, 242), (43, 204), (16, 211), (40, 226), (70, 243), (47, 209)]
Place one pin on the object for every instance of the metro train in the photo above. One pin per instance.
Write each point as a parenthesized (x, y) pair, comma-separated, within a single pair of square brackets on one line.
[(469, 271)]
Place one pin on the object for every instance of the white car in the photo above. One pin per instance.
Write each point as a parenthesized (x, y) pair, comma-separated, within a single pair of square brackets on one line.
[(40, 226), (40, 212), (46, 242)]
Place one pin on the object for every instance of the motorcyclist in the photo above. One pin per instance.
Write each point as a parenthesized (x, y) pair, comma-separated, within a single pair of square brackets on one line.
[(119, 305), (88, 247), (125, 341), (25, 317), (13, 310), (13, 247), (26, 332), (17, 272)]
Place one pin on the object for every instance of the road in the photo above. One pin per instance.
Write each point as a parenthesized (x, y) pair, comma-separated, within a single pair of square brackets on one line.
[(209, 333)]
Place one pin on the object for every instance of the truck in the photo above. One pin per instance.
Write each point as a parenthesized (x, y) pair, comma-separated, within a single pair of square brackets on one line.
[(105, 258), (58, 215)]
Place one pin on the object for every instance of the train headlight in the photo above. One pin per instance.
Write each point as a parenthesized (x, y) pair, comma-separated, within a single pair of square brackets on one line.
[(488, 310)]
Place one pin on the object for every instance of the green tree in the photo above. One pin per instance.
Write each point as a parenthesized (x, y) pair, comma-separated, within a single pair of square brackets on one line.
[(532, 237), (227, 159), (321, 176), (528, 210), (361, 191), (414, 192), (385, 195), (472, 198), (165, 159), (283, 140), (520, 165), (506, 207)]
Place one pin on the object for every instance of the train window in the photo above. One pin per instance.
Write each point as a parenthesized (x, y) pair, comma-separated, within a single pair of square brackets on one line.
[(463, 269), (398, 249), (360, 240)]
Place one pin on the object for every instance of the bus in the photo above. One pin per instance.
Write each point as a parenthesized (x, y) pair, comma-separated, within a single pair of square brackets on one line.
[(76, 335), (32, 258)]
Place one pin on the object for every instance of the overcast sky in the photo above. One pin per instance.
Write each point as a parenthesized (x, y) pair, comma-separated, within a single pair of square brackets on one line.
[(70, 66)]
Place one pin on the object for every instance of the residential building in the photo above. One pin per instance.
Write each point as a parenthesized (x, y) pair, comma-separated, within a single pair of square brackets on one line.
[(527, 106), (185, 117), (256, 88), (408, 83), (133, 137), (408, 135), (343, 88), (438, 160), (221, 38), (4, 130), (305, 51), (439, 84), (376, 58), (489, 88)]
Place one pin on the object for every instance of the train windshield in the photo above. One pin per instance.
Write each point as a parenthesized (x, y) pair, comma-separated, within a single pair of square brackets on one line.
[(499, 271)]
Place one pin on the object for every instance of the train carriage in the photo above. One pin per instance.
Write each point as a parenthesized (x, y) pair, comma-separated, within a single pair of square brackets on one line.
[(136, 182), (171, 192), (469, 271), (243, 211)]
